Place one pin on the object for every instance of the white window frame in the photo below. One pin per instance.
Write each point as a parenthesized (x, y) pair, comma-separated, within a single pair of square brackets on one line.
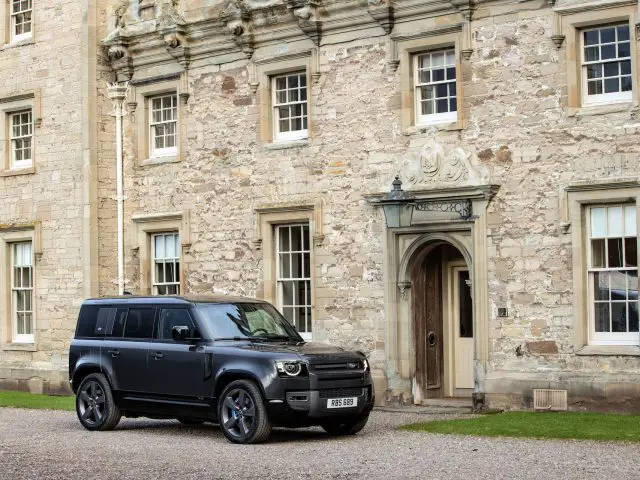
[(23, 163), (166, 151), (605, 98), (608, 338), (165, 259), (14, 17), (307, 334), (434, 118), (24, 337), (296, 134)]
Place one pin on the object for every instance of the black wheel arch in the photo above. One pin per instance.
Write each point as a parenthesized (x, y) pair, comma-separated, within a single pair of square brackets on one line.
[(85, 370), (229, 376)]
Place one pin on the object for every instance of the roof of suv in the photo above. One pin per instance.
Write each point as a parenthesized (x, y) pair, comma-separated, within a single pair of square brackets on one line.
[(171, 299)]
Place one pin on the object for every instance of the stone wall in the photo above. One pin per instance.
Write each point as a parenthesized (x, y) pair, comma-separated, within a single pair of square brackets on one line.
[(52, 195)]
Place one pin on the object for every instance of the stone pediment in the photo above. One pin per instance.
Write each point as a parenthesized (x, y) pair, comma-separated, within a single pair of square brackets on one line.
[(435, 165)]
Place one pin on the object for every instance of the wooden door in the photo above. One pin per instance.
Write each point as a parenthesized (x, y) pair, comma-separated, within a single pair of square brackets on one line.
[(428, 325)]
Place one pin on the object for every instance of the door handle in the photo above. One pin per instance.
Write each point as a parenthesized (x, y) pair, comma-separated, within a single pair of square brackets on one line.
[(157, 355), (114, 353)]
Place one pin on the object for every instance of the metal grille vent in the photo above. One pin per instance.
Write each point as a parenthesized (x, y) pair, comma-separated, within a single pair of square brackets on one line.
[(546, 399)]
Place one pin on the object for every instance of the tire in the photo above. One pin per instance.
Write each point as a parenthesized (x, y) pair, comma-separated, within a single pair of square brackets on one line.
[(346, 426), (94, 404), (241, 413), (190, 421)]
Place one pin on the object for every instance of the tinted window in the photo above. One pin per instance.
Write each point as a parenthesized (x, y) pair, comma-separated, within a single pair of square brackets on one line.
[(139, 323), (93, 320), (174, 317), (115, 326)]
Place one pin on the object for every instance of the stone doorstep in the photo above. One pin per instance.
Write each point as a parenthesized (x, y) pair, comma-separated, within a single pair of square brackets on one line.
[(432, 406)]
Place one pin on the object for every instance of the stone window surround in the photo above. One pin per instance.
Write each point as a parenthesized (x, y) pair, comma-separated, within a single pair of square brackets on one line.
[(406, 47), (148, 224), (14, 103), (571, 21), (29, 232), (6, 37), (269, 217), (264, 70), (576, 198), (140, 93)]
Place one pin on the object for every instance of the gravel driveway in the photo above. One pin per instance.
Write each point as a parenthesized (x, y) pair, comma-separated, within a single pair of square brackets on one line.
[(52, 445)]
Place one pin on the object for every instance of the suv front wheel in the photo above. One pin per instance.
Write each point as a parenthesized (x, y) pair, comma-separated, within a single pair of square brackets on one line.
[(94, 404), (241, 413)]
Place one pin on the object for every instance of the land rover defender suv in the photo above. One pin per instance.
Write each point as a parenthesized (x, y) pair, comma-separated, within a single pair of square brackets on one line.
[(233, 361)]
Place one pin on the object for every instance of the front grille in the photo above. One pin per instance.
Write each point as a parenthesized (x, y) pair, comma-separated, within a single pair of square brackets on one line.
[(337, 366), (341, 392)]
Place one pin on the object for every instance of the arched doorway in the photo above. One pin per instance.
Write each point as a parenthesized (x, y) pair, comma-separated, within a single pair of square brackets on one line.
[(442, 322)]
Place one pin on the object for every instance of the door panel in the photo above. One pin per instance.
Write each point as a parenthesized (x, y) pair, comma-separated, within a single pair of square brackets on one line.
[(427, 323), (463, 330), (178, 369)]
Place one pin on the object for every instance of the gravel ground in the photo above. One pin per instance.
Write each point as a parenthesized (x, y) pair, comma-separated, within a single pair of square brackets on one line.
[(52, 445)]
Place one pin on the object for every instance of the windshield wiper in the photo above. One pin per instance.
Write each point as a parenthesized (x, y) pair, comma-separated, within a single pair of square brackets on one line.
[(276, 336)]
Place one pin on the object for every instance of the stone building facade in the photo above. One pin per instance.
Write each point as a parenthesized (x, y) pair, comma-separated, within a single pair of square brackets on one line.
[(260, 139)]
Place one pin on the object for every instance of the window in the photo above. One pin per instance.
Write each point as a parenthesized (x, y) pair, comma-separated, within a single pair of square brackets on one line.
[(435, 87), (139, 323), (163, 125), (21, 139), (613, 275), (294, 276), (22, 292), (606, 65), (290, 106), (174, 317), (166, 264), (21, 24)]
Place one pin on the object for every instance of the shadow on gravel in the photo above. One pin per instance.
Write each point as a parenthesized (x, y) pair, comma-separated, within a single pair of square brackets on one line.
[(208, 430)]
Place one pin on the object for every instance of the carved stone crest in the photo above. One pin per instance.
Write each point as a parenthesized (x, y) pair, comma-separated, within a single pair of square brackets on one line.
[(437, 164)]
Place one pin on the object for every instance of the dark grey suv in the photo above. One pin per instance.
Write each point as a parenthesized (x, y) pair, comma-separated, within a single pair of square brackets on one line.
[(233, 361)]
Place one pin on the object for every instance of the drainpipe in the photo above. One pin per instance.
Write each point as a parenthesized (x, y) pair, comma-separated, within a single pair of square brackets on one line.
[(118, 93)]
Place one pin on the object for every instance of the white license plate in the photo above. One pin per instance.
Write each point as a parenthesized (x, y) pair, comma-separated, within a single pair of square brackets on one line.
[(342, 402)]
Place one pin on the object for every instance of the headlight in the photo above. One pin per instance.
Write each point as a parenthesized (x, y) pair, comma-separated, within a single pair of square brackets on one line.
[(291, 369)]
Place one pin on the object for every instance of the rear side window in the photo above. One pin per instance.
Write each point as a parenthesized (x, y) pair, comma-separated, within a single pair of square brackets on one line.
[(93, 321), (115, 326), (139, 323)]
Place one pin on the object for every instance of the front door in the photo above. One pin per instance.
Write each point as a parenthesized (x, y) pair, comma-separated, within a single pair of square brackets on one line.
[(462, 328), (428, 325)]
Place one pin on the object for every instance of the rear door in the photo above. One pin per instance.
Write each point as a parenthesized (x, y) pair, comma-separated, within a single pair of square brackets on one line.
[(179, 370), (127, 343)]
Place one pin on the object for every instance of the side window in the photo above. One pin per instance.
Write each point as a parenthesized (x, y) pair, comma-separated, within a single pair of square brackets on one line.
[(174, 317), (139, 323), (102, 321), (93, 321), (115, 324)]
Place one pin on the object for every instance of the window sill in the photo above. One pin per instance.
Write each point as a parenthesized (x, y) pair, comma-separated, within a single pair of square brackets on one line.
[(447, 126), (590, 110), (18, 171), (19, 347), (284, 144), (610, 350), (19, 43), (160, 160)]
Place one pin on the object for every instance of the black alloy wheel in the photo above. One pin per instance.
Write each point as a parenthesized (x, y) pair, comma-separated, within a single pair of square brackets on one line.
[(94, 404), (241, 413), (347, 426)]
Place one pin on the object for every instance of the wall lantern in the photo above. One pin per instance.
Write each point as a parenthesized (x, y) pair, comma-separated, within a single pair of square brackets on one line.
[(397, 206)]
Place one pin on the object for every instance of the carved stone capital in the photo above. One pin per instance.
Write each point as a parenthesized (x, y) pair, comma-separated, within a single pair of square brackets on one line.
[(466, 53), (176, 41), (237, 20), (120, 58), (558, 40), (305, 12), (404, 287)]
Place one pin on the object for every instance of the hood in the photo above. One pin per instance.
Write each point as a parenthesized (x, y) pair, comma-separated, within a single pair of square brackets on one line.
[(315, 352)]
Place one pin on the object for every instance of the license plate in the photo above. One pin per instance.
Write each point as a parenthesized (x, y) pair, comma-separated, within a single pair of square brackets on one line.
[(342, 402)]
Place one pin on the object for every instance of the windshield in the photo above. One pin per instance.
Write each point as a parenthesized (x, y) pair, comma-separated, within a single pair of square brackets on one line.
[(246, 320)]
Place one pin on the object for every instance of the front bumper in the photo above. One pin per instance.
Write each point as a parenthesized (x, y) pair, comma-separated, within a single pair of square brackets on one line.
[(309, 407)]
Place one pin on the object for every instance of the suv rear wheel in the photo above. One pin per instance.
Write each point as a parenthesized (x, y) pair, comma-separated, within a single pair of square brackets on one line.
[(241, 413), (94, 404), (345, 426)]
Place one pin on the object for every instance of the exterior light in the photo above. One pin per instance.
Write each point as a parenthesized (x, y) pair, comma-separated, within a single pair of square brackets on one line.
[(397, 206)]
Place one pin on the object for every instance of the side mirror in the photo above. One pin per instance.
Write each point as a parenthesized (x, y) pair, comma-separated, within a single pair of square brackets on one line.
[(180, 333)]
